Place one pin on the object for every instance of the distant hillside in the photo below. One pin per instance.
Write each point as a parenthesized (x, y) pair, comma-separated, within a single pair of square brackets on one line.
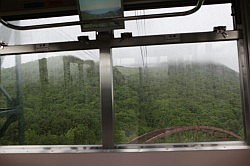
[(65, 107), (178, 95)]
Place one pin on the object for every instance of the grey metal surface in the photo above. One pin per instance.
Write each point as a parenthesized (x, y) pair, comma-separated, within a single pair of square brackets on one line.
[(13, 11), (122, 42), (174, 14), (244, 80), (19, 100), (106, 80), (7, 111), (6, 94), (125, 148), (175, 39), (51, 47), (244, 50)]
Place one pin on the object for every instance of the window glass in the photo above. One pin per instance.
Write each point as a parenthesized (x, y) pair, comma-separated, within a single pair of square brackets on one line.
[(177, 93), (205, 19), (54, 95), (59, 34)]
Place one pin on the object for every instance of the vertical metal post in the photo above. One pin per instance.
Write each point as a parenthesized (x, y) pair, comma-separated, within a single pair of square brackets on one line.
[(106, 85), (81, 79), (19, 93), (141, 87), (66, 70), (245, 87), (19, 98), (0, 70), (43, 72), (44, 79), (242, 22)]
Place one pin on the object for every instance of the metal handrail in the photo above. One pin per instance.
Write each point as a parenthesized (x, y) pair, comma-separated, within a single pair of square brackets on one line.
[(54, 25), (6, 94)]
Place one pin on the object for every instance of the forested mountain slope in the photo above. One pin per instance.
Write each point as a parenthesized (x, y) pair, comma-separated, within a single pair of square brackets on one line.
[(64, 108)]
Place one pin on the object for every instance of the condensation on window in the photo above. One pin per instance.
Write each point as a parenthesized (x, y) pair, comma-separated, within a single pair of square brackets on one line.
[(54, 99), (177, 93), (205, 19)]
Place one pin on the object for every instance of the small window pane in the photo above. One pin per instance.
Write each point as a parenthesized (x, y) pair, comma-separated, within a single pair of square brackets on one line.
[(177, 93), (61, 103), (205, 19), (49, 35)]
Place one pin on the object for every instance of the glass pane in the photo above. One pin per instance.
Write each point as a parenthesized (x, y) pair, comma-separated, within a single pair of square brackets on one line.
[(177, 93), (56, 99), (60, 34), (205, 19)]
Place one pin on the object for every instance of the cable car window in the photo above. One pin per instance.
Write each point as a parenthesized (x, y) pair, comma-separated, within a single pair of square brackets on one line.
[(203, 20), (61, 34), (50, 99), (177, 93)]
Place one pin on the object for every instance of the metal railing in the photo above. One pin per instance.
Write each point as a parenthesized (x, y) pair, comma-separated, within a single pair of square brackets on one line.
[(96, 21)]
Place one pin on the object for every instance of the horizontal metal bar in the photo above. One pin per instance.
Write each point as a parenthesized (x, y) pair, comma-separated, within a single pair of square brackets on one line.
[(96, 21), (4, 112), (233, 145), (6, 94), (127, 4), (176, 39), (50, 47), (152, 4), (6, 109), (122, 42)]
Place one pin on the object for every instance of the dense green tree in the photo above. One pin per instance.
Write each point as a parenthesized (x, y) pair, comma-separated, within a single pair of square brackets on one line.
[(62, 106)]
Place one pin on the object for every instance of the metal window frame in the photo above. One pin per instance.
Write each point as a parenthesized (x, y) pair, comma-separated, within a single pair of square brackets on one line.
[(129, 18), (121, 42), (242, 23), (128, 5), (138, 148), (242, 35)]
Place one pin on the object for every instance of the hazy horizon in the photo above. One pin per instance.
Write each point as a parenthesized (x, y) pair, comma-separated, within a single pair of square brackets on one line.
[(225, 53)]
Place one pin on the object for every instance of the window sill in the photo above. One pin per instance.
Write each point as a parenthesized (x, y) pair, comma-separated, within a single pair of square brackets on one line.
[(198, 146)]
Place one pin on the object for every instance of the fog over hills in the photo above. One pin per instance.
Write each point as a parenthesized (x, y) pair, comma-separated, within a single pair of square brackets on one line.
[(65, 108)]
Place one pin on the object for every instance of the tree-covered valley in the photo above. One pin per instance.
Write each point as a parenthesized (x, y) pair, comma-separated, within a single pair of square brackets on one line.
[(61, 97)]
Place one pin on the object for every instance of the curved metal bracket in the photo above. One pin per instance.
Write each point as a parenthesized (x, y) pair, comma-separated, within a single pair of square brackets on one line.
[(54, 25)]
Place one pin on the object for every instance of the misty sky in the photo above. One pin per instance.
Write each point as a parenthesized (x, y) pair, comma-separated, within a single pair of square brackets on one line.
[(204, 20), (99, 4)]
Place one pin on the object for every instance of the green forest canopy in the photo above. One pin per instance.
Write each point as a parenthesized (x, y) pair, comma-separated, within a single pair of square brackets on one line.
[(62, 101)]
